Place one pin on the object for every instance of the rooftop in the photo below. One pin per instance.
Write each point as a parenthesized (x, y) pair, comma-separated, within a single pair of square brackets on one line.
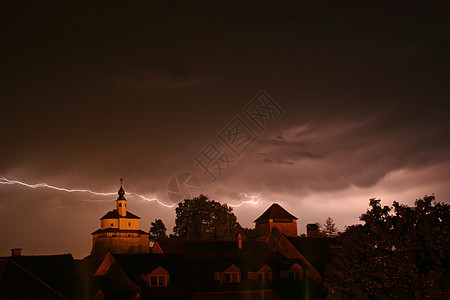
[(275, 211), (113, 214)]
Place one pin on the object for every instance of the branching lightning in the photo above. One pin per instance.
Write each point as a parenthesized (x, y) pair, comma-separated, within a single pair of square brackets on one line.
[(151, 199), (3, 180), (252, 199)]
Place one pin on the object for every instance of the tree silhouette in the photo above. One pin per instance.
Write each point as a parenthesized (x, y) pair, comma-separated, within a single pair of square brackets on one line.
[(157, 230), (203, 218), (402, 254), (329, 228)]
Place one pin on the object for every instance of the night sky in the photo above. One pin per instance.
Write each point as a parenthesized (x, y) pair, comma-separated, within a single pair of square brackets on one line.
[(94, 92)]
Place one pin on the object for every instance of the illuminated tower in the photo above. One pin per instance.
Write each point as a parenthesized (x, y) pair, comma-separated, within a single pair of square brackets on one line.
[(276, 217), (121, 201), (119, 231)]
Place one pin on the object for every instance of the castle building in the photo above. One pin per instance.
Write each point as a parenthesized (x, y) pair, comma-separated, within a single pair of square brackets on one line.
[(276, 217), (119, 231)]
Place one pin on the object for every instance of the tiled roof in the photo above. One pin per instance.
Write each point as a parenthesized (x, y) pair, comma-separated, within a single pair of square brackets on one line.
[(194, 271), (275, 211), (113, 214), (58, 271), (316, 250), (16, 282), (208, 246)]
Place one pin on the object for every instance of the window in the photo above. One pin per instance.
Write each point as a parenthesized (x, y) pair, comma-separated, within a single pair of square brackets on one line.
[(112, 224), (157, 278), (120, 204), (261, 276), (162, 280), (231, 277), (232, 274), (129, 223), (264, 274), (294, 273)]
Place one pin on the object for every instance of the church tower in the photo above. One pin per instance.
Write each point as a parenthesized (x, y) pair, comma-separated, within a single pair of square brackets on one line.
[(121, 201), (119, 231)]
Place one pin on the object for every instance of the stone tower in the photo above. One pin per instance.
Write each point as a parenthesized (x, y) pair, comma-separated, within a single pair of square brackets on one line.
[(277, 217)]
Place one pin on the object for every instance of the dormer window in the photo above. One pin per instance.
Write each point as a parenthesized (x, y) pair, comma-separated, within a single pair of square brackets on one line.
[(294, 273), (232, 274), (264, 274), (159, 277)]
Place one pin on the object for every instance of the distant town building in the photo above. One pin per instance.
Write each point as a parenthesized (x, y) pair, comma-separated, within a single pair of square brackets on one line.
[(276, 217), (119, 231)]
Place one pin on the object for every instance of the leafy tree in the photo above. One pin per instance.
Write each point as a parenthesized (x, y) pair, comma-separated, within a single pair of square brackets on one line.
[(157, 230), (399, 252), (329, 228), (203, 218)]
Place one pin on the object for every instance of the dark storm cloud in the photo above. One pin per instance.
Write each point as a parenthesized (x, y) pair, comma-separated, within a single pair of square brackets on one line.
[(286, 151), (177, 76), (332, 156)]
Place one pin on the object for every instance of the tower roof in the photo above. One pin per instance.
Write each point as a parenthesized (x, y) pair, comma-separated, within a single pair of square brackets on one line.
[(113, 214), (275, 211), (121, 191)]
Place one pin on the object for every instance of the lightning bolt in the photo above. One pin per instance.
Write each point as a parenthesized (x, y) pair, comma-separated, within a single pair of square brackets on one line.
[(152, 199), (252, 199), (4, 180)]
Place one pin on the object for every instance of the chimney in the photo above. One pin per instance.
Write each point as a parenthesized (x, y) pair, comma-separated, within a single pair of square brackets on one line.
[(312, 230), (239, 240), (16, 252)]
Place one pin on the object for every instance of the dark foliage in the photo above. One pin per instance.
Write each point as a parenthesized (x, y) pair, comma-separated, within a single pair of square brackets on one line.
[(157, 230), (203, 218), (399, 252)]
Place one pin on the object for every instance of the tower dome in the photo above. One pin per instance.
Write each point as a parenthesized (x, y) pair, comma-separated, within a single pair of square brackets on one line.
[(121, 191)]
